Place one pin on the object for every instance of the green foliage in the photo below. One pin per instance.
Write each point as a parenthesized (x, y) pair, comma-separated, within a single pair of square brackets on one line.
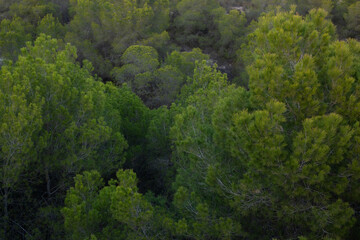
[(231, 28), (159, 172), (197, 157), (272, 160), (86, 209), (139, 63), (305, 6), (104, 29), (185, 61), (127, 205), (292, 150), (204, 77), (32, 11), (155, 85), (169, 80), (159, 41), (136, 59), (193, 23), (255, 8), (50, 26), (134, 114), (353, 19), (13, 36), (4, 6), (68, 126), (116, 211), (19, 121), (278, 159), (207, 25), (286, 50), (71, 111)]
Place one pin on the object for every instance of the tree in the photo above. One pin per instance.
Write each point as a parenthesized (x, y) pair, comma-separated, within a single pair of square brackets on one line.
[(19, 122), (205, 213), (305, 6), (77, 129), (353, 20), (194, 22), (32, 11), (310, 136), (168, 81), (116, 211), (297, 57), (279, 160), (156, 84), (255, 8), (136, 60), (103, 29), (50, 26), (231, 28), (185, 61), (13, 36), (294, 185)]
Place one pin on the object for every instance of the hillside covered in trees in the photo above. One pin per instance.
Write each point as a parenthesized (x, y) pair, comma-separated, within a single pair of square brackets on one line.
[(179, 119)]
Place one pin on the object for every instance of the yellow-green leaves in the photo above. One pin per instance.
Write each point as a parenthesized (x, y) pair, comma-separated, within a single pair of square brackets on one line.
[(136, 60), (114, 211), (53, 119), (127, 205)]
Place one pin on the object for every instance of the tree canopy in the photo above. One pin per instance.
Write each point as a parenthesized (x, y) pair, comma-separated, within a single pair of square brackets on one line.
[(179, 119)]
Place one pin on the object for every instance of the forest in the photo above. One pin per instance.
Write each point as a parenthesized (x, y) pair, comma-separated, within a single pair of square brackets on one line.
[(179, 119)]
